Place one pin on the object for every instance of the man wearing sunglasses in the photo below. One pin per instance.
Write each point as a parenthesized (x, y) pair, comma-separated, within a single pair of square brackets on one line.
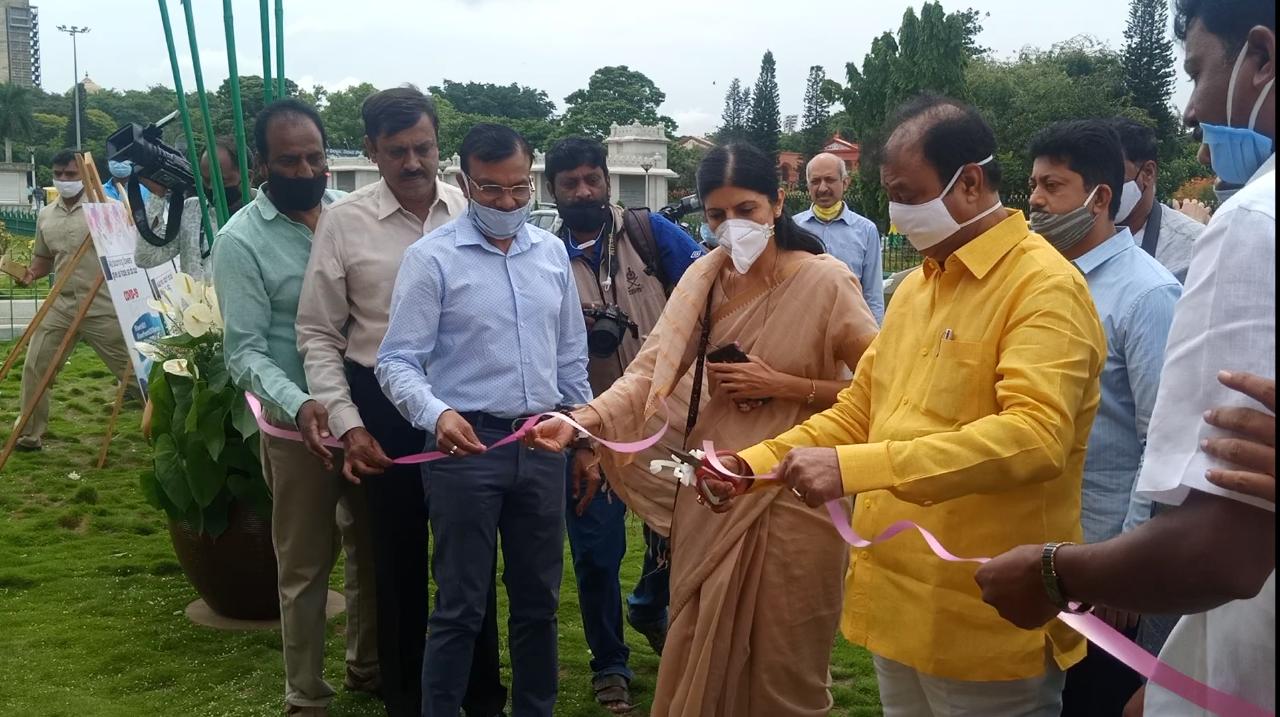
[(486, 327)]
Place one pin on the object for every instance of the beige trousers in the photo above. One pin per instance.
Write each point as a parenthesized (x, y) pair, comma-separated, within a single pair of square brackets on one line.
[(904, 692), (101, 332), (306, 535)]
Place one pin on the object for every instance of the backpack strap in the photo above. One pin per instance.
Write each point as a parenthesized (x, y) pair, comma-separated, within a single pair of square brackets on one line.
[(639, 227)]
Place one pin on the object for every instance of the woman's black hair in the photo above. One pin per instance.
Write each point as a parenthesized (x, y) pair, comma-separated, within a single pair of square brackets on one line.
[(742, 165)]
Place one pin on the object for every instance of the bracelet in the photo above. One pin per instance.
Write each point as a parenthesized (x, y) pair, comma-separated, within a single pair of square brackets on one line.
[(1053, 584), (813, 392)]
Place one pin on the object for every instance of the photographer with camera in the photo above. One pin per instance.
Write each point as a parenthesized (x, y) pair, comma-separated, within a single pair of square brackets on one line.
[(625, 263), (190, 245)]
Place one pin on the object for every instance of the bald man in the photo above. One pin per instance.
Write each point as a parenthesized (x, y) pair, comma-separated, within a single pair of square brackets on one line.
[(849, 237)]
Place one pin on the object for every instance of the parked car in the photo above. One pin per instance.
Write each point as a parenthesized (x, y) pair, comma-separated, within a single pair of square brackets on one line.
[(548, 219)]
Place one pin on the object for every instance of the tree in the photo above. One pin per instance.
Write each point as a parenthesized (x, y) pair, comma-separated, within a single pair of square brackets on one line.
[(482, 98), (614, 95), (684, 162), (16, 116), (341, 115), (764, 121), (930, 52), (817, 109), (733, 121), (1148, 61)]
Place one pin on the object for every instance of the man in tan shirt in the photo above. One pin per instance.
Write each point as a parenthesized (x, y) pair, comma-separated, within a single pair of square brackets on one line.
[(342, 317), (60, 229)]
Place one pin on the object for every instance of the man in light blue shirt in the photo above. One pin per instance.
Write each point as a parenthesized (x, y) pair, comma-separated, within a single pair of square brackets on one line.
[(486, 327), (1076, 182), (849, 237)]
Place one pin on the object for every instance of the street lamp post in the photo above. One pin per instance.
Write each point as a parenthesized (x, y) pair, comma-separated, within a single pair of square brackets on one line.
[(646, 166), (74, 30)]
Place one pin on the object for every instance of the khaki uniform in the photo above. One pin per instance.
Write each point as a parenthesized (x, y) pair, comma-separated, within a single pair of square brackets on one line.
[(59, 233)]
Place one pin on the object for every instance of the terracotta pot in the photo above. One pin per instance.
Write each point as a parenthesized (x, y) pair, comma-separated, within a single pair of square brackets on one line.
[(236, 572)]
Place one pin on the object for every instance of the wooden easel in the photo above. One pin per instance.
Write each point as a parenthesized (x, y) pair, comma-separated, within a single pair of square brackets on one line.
[(94, 192)]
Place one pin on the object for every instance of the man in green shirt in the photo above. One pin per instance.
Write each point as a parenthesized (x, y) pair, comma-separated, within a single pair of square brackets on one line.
[(259, 260)]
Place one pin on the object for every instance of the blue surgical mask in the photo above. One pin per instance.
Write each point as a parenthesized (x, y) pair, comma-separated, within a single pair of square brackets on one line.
[(1236, 153), (495, 223), (120, 170), (708, 236)]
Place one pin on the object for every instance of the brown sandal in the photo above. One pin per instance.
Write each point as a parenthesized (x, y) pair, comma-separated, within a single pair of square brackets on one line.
[(613, 693)]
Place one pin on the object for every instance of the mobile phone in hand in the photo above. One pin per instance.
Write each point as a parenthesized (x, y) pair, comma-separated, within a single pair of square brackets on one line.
[(731, 353)]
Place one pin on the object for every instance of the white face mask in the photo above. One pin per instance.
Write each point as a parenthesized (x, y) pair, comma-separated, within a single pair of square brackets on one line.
[(745, 240), (927, 225), (68, 190), (1130, 195)]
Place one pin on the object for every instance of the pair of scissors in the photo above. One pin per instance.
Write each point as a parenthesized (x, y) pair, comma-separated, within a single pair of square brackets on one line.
[(695, 462)]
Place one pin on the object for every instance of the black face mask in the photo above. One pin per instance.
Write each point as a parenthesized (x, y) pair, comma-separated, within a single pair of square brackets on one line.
[(296, 194), (234, 197), (584, 217)]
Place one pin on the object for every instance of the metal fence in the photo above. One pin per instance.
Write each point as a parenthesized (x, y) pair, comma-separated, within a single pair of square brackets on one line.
[(19, 220), (18, 304)]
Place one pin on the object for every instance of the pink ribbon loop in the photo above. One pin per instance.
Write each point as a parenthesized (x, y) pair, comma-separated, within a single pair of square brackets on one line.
[(1094, 629)]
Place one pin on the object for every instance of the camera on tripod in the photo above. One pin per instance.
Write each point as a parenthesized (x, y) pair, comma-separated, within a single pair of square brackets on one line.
[(157, 162), (611, 324)]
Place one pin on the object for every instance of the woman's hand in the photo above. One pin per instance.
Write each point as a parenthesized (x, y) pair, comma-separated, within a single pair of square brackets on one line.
[(748, 385)]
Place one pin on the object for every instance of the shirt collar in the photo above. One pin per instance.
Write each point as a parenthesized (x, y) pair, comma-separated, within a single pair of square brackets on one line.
[(981, 254), (62, 206), (1100, 254), (388, 204), (1267, 166), (572, 246)]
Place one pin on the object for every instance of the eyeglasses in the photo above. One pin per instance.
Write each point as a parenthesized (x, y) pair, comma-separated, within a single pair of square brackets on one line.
[(493, 192)]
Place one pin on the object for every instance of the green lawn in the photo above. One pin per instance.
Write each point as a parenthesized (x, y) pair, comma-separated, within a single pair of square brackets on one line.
[(92, 599)]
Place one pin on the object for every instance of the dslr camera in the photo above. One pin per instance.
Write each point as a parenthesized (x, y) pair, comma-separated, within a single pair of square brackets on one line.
[(611, 324), (158, 162)]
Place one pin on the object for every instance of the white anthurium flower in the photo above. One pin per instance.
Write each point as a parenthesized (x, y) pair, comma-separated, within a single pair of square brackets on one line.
[(150, 350), (188, 289), (198, 319), (682, 471), (179, 367), (211, 299)]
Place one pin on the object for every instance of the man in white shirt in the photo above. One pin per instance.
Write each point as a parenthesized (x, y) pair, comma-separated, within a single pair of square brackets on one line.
[(1211, 555)]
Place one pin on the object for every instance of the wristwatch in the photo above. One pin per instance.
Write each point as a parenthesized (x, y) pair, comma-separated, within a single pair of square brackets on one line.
[(1053, 584)]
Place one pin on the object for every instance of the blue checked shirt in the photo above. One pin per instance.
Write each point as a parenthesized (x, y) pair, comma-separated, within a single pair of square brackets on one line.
[(853, 239), (474, 329), (1135, 297)]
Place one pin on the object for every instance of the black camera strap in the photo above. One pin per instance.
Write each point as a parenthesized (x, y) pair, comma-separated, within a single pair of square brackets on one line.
[(695, 395), (139, 210)]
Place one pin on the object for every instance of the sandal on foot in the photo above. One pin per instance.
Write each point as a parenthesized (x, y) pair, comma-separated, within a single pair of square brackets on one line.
[(613, 693)]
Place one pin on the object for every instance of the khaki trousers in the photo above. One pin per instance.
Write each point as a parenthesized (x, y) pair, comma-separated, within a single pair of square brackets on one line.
[(101, 332), (306, 535)]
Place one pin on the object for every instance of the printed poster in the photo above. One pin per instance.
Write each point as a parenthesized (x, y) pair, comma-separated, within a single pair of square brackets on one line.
[(115, 238)]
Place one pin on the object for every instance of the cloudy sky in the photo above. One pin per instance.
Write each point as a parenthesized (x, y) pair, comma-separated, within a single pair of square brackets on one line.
[(690, 49)]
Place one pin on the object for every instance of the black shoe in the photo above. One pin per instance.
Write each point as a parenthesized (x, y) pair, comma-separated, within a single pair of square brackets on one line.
[(654, 632), (28, 447)]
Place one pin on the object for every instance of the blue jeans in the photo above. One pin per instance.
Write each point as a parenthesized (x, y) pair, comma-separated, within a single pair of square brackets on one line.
[(597, 543), (519, 494)]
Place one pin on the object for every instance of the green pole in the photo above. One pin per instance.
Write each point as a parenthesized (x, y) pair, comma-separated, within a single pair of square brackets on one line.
[(237, 109), (192, 155), (211, 139), (282, 88), (264, 10)]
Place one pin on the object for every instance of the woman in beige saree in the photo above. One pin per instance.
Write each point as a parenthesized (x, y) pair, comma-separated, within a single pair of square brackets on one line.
[(756, 591)]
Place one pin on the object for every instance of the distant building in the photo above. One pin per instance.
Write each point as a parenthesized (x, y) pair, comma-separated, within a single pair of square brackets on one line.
[(790, 123), (638, 173), (19, 43), (790, 168), (90, 87), (691, 142), (850, 152)]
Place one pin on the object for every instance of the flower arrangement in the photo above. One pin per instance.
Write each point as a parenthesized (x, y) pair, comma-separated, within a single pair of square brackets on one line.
[(204, 438)]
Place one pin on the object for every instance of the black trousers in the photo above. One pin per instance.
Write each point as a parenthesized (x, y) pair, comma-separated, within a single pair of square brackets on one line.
[(398, 523), (1099, 685)]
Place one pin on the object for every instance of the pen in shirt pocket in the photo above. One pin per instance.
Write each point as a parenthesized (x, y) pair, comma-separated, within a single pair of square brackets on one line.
[(946, 336)]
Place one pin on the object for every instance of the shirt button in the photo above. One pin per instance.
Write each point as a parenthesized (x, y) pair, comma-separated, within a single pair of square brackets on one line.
[(904, 401), (924, 352)]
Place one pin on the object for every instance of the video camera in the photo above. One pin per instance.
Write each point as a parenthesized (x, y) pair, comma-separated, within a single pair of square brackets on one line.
[(676, 210), (609, 325), (158, 162)]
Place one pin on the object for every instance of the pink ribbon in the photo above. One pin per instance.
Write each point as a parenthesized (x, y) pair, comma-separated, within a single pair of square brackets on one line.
[(1094, 629), (1089, 625), (620, 446)]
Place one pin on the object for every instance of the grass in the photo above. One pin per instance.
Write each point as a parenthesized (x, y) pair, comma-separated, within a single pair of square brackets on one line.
[(92, 599)]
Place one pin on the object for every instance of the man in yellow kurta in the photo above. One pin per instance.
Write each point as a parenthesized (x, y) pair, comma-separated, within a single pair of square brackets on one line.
[(969, 415)]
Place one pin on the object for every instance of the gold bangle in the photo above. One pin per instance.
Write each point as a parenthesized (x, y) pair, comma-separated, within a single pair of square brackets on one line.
[(813, 392)]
